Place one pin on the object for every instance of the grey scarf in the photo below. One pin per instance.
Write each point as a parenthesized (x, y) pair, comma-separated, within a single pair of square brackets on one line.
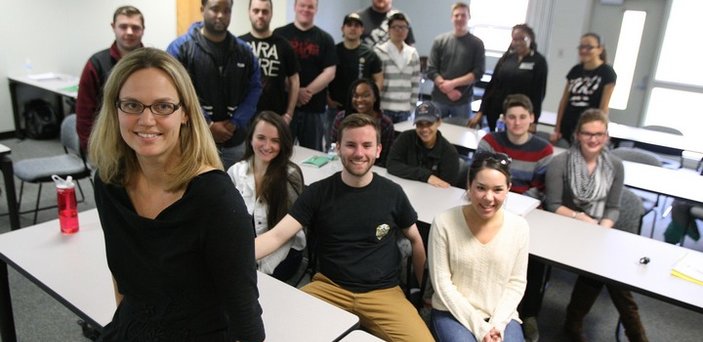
[(590, 190)]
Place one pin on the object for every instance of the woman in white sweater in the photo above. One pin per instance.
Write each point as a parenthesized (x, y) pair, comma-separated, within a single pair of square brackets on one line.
[(269, 184), (478, 260)]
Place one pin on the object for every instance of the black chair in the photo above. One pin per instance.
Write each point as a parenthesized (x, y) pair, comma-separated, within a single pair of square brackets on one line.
[(649, 200), (40, 170)]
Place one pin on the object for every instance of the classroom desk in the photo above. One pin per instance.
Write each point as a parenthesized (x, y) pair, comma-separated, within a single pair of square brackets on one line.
[(360, 336), (675, 143), (73, 269), (612, 256), (427, 200), (462, 137), (60, 85), (683, 184), (8, 175)]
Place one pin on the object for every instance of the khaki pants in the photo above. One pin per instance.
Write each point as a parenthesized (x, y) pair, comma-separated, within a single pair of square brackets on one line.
[(385, 313)]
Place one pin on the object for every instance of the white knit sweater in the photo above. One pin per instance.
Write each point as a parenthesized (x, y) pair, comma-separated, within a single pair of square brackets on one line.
[(475, 281)]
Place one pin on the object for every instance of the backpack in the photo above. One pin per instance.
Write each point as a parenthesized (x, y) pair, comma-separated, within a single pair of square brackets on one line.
[(40, 121)]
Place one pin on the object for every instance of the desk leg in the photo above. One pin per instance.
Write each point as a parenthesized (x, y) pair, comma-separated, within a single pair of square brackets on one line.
[(7, 321), (19, 133), (12, 205)]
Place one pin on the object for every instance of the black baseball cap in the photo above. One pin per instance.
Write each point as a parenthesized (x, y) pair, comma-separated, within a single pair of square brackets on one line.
[(426, 112)]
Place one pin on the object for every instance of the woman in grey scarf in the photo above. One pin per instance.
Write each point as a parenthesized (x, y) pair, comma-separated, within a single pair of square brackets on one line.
[(585, 184)]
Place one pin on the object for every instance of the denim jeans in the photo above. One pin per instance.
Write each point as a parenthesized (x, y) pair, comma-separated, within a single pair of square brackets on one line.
[(461, 110), (231, 155), (446, 329), (397, 116), (307, 127)]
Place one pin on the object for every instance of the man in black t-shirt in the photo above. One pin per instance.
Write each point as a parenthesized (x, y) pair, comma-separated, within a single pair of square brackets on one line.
[(354, 217), (279, 66), (375, 18), (315, 50), (354, 61)]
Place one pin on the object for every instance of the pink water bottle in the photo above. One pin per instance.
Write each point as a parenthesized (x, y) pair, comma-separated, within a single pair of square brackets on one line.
[(66, 200)]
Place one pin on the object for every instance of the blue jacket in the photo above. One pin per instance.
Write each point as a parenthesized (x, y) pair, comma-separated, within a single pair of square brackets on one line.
[(228, 94)]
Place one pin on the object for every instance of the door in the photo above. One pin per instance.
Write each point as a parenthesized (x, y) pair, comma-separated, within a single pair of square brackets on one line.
[(607, 21)]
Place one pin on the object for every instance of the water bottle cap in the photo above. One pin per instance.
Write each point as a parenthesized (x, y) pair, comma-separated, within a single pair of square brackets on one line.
[(63, 183)]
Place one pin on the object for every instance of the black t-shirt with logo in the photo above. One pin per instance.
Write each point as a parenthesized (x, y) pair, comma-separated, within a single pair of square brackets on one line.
[(352, 65), (278, 62), (585, 89), (356, 230), (315, 51)]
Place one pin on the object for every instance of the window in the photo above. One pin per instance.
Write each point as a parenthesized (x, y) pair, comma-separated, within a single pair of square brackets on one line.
[(627, 51), (677, 84), (493, 20)]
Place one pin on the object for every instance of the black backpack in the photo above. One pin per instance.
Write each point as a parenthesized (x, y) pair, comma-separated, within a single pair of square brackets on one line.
[(40, 121)]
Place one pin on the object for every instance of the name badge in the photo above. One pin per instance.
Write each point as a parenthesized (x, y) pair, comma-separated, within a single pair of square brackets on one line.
[(526, 66)]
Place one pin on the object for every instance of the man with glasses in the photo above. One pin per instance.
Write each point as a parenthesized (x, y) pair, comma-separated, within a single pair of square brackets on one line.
[(128, 27), (457, 60), (226, 76), (376, 17), (401, 71)]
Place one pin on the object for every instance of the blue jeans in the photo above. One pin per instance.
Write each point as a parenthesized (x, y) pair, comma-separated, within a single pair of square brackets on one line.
[(446, 328), (397, 116), (307, 128), (230, 155), (461, 110)]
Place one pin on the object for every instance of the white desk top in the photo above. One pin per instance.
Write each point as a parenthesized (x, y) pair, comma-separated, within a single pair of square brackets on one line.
[(457, 135), (73, 269), (614, 255), (673, 141), (684, 184), (360, 336), (61, 84), (427, 200)]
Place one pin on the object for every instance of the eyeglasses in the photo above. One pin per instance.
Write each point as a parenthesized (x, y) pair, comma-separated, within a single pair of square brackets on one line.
[(589, 135), (586, 47), (499, 158), (158, 108), (400, 27)]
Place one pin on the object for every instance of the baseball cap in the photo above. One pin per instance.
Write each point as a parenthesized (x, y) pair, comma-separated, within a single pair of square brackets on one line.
[(353, 17), (426, 112)]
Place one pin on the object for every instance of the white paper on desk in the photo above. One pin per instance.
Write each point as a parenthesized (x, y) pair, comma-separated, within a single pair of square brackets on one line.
[(45, 76), (690, 267)]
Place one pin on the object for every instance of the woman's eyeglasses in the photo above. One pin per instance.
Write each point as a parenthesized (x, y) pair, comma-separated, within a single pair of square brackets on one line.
[(158, 108)]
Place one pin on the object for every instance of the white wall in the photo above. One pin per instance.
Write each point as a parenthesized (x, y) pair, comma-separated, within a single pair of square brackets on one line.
[(61, 36)]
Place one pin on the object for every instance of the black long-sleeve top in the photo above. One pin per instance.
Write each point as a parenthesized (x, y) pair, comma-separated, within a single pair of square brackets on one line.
[(410, 159), (187, 275)]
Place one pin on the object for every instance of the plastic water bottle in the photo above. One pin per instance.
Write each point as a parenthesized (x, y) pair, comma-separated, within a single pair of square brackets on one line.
[(66, 202), (500, 124), (332, 152)]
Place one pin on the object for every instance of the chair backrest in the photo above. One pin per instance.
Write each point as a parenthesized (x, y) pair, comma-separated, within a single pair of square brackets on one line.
[(463, 174), (637, 155), (664, 129), (69, 135), (631, 211)]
